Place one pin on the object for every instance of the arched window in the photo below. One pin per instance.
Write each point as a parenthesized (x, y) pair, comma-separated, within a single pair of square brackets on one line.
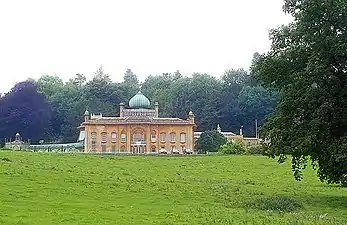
[(153, 149), (138, 136), (183, 137), (162, 137), (93, 137), (114, 137), (123, 136), (173, 137), (153, 136), (103, 137)]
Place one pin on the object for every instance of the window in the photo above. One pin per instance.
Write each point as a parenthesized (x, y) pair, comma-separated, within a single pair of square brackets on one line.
[(123, 149), (153, 136), (163, 137), (103, 137), (103, 148), (138, 136), (93, 136), (123, 137), (183, 137), (114, 137), (113, 148), (172, 136), (153, 148)]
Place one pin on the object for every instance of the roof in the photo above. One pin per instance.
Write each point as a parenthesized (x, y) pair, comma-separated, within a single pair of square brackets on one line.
[(139, 101), (81, 136), (224, 133), (134, 120)]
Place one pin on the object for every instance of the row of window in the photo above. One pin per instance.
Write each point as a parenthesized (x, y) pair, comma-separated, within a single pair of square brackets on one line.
[(113, 148), (123, 148), (138, 136), (172, 137)]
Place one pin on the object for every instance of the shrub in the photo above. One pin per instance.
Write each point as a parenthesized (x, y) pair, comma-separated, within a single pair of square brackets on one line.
[(235, 148), (255, 150), (2, 143), (210, 141), (344, 181), (279, 203)]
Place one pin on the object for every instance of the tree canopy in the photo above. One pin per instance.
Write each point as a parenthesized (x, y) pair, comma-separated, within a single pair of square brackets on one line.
[(307, 65), (210, 141), (25, 110), (234, 100)]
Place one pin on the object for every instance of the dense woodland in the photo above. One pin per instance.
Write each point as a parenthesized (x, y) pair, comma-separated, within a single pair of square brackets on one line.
[(51, 109)]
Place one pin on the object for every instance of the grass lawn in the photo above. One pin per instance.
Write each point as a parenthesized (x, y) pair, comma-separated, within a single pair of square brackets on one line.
[(52, 188)]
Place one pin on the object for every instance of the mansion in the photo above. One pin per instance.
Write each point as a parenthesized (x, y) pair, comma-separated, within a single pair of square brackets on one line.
[(138, 129)]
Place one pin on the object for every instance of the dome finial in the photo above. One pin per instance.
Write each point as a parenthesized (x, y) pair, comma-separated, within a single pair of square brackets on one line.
[(140, 87)]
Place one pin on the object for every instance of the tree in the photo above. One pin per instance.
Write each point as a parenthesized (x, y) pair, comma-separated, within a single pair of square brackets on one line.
[(210, 141), (79, 80), (254, 103), (130, 86), (52, 87), (130, 77), (99, 94), (307, 64), (25, 110)]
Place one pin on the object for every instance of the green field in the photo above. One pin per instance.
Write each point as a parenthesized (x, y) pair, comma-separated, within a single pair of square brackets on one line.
[(51, 188)]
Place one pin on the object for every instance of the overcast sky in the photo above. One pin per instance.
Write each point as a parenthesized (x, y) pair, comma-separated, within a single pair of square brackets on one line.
[(65, 37)]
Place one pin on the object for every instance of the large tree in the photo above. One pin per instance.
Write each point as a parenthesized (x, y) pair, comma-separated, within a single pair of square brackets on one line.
[(26, 111), (307, 64)]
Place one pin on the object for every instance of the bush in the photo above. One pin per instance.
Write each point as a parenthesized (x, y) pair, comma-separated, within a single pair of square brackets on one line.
[(210, 141), (235, 148), (279, 203), (2, 143), (255, 150)]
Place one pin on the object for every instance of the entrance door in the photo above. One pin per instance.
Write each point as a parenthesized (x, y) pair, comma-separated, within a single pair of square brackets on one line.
[(137, 149)]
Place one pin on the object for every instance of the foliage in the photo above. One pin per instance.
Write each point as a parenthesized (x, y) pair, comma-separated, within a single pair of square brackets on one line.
[(279, 203), (233, 101), (237, 147), (242, 101), (25, 110), (307, 65), (256, 150), (92, 189), (210, 141)]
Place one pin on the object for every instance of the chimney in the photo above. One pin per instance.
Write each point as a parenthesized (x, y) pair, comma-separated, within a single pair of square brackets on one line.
[(156, 107), (121, 108), (191, 116), (86, 116)]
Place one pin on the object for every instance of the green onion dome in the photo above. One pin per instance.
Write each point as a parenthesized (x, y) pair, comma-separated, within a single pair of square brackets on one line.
[(139, 101)]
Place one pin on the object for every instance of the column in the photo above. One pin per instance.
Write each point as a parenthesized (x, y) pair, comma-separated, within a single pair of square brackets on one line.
[(128, 141), (148, 139)]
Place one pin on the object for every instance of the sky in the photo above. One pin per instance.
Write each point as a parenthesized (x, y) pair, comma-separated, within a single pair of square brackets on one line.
[(65, 37)]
